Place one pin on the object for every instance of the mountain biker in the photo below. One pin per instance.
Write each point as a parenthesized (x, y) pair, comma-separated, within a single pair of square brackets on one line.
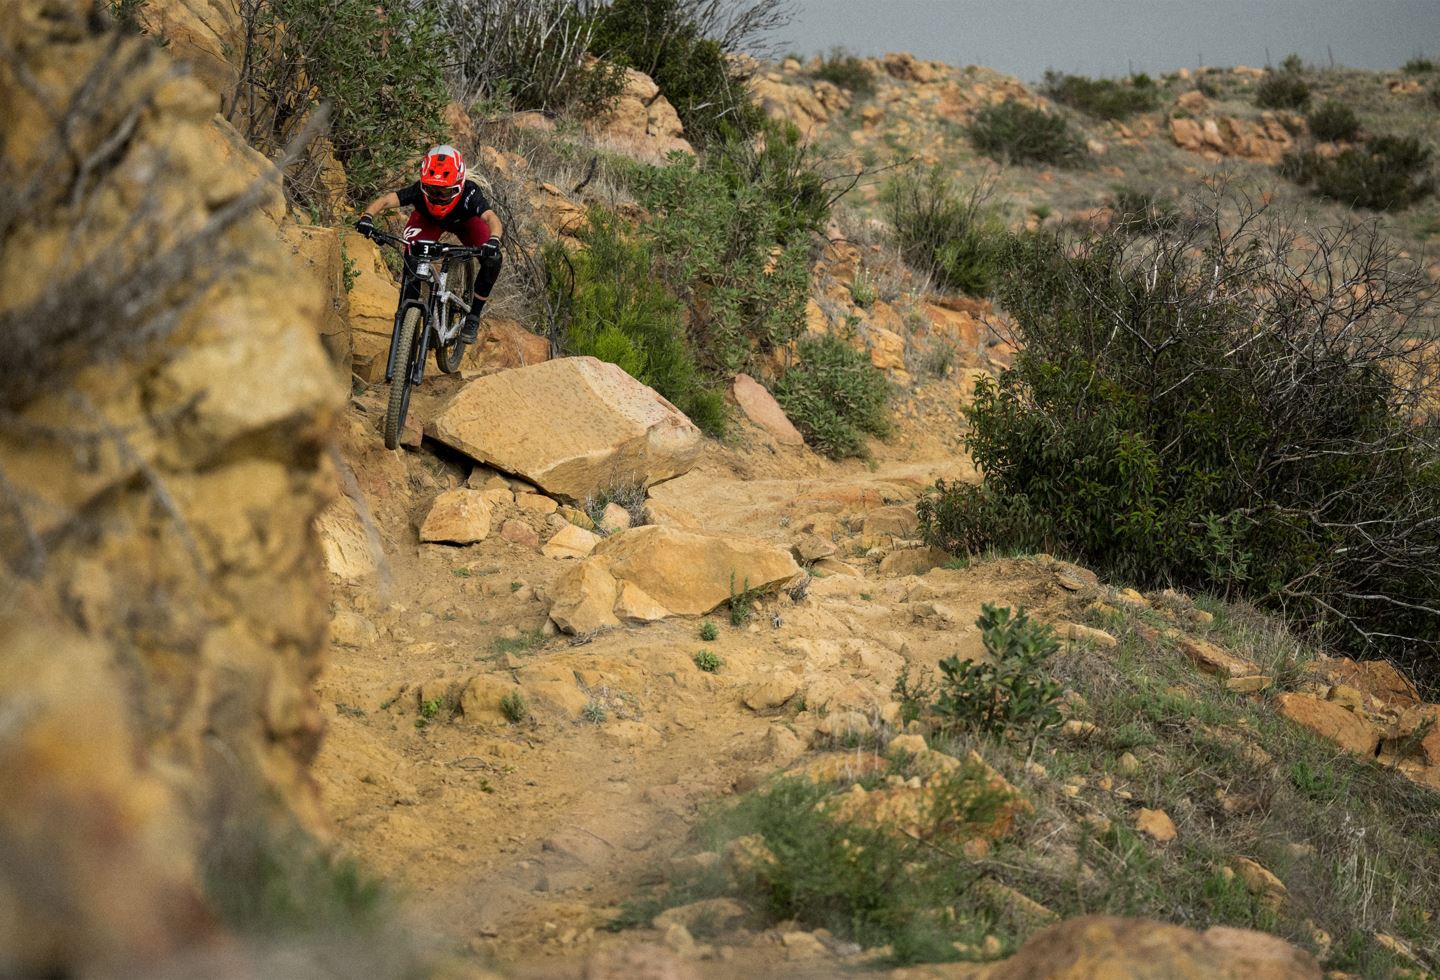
[(443, 200)]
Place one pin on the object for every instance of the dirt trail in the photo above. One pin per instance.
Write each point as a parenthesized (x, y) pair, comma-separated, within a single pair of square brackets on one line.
[(519, 843)]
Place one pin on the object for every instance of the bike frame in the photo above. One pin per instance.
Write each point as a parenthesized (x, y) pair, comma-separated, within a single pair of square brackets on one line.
[(427, 271)]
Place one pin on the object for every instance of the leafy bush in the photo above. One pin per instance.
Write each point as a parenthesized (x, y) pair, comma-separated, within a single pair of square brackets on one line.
[(949, 234), (844, 69), (527, 54), (1009, 691), (373, 61), (1333, 121), (619, 312), (514, 707), (1102, 98), (1144, 210), (733, 236), (709, 631), (708, 661), (834, 396), (684, 46), (1282, 90), (1418, 65), (1258, 438), (1013, 131), (1386, 173)]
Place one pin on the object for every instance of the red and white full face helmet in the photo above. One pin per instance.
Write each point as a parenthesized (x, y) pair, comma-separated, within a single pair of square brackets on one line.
[(442, 176)]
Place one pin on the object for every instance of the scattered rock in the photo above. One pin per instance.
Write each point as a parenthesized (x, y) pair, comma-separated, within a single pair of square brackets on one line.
[(1088, 635), (572, 425), (1073, 578), (1248, 685), (614, 518), (536, 503), (635, 605), (711, 914), (761, 408), (1155, 824), (1260, 882), (844, 724), (459, 516), (518, 532), (1213, 660), (1331, 721), (770, 691), (1128, 764), (582, 599), (570, 542), (812, 548), (350, 629), (912, 561)]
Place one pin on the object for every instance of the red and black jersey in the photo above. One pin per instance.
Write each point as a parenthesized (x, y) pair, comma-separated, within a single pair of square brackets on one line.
[(472, 204)]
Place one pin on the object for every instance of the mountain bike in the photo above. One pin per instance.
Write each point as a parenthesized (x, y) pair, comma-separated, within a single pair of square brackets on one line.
[(438, 279)]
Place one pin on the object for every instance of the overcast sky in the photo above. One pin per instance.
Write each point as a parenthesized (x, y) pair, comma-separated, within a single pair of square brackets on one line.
[(1109, 37)]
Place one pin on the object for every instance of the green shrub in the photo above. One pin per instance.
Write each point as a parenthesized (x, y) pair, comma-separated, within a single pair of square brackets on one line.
[(373, 61), (1162, 437), (1418, 65), (948, 233), (708, 661), (1282, 90), (834, 396), (742, 602), (618, 311), (1009, 691), (1102, 98), (1144, 210), (709, 631), (1386, 173), (1014, 132), (1293, 64), (514, 707), (1333, 121), (733, 236), (845, 70), (670, 41)]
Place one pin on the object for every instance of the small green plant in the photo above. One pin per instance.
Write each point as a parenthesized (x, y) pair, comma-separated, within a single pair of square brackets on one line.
[(630, 496), (708, 661), (862, 291), (1282, 90), (1008, 691), (349, 271), (950, 233), (742, 603), (709, 631), (1418, 65), (514, 707), (1102, 98), (1016, 133), (835, 396), (429, 711), (1333, 121), (525, 642), (866, 596), (844, 69), (1293, 64), (515, 586), (915, 694), (594, 712), (1144, 210), (461, 572)]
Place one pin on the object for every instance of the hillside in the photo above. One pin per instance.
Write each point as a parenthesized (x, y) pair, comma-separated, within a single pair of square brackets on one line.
[(651, 652)]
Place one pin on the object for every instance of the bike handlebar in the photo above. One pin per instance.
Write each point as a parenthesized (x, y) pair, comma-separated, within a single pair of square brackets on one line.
[(445, 250)]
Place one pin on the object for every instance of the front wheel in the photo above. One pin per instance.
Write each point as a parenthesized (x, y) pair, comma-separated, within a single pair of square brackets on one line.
[(400, 384)]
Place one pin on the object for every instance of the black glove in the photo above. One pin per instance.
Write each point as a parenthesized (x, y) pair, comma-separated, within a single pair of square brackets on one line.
[(366, 225), (491, 248)]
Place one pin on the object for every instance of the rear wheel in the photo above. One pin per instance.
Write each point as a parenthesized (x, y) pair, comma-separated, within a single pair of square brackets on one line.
[(449, 356), (400, 384)]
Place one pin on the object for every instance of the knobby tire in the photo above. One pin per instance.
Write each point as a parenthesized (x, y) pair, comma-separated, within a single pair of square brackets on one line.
[(400, 383)]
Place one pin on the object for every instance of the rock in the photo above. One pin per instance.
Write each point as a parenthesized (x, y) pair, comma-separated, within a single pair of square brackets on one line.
[(480, 699), (895, 521), (844, 724), (1078, 633), (1260, 882), (801, 945), (518, 532), (1346, 697), (912, 745), (761, 408), (637, 961), (459, 516), (887, 348), (582, 599), (834, 566), (1213, 660), (570, 542), (349, 551), (1075, 728), (913, 561), (708, 915), (640, 122), (372, 300), (1073, 578), (634, 605), (1088, 947), (504, 344), (1155, 824), (1330, 721), (572, 426), (1248, 685), (693, 573), (770, 691), (350, 629), (614, 518), (536, 503), (812, 548), (1128, 765)]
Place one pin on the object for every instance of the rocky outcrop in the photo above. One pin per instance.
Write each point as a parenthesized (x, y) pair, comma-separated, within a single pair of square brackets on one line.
[(642, 123), (1266, 139), (807, 107), (159, 559), (1142, 949), (761, 408), (570, 426)]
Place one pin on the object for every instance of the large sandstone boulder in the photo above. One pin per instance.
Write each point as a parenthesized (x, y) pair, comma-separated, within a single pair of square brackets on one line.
[(761, 408), (570, 426), (373, 298), (692, 573), (177, 607), (1094, 946), (1329, 720), (317, 250), (641, 123)]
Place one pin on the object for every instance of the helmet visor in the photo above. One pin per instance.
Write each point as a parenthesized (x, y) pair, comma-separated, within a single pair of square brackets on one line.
[(438, 194)]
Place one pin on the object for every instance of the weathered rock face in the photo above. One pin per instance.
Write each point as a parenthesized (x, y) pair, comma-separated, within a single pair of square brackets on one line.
[(373, 298), (691, 573), (1266, 139), (569, 426), (642, 122), (178, 585), (761, 408), (459, 516), (1141, 949)]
